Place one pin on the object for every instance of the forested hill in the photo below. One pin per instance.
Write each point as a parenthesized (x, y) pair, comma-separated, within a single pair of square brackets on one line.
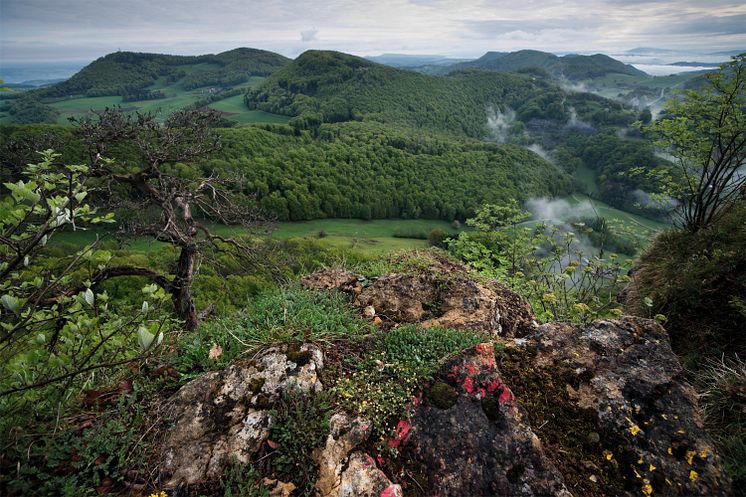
[(121, 73), (572, 67), (320, 87)]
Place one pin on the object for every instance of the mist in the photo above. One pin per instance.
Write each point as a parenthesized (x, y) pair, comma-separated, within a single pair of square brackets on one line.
[(541, 152), (499, 123), (576, 123)]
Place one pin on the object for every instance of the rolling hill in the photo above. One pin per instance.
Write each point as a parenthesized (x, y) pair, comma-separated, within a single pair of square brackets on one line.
[(320, 87), (122, 73), (572, 67)]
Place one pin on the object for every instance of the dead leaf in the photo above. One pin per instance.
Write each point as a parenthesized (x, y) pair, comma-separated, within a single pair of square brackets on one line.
[(215, 352)]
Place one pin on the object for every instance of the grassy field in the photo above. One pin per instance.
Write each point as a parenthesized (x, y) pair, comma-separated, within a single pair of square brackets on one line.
[(368, 237), (176, 97), (235, 110)]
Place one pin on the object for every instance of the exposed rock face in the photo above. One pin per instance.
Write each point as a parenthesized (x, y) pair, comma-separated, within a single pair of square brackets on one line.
[(600, 409), (442, 295), (625, 381), (554, 410), (481, 443), (333, 279), (222, 415)]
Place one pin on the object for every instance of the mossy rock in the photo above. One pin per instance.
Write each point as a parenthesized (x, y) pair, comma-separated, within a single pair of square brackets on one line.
[(442, 395)]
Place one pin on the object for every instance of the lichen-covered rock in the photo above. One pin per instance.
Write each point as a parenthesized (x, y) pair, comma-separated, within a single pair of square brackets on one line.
[(362, 478), (333, 279), (345, 434), (441, 295), (625, 374), (481, 444), (609, 397), (222, 415)]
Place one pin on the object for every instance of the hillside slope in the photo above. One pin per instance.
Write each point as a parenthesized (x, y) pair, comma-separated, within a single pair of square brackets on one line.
[(124, 72), (573, 67), (322, 87)]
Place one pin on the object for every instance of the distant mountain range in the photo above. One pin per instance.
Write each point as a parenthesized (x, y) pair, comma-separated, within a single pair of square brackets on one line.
[(572, 67)]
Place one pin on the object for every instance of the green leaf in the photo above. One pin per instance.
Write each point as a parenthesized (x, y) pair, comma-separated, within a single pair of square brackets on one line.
[(11, 303), (89, 297), (145, 338)]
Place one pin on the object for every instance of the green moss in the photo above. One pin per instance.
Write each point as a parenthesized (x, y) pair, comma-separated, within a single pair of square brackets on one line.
[(442, 395), (256, 384)]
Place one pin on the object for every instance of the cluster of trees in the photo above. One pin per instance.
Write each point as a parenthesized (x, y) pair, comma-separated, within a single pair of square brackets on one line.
[(622, 166), (27, 110), (139, 95), (356, 170)]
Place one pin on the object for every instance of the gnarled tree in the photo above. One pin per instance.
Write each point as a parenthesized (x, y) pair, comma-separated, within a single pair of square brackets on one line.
[(167, 205)]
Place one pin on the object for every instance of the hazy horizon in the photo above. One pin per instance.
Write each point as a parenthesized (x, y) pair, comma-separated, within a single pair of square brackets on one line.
[(36, 31)]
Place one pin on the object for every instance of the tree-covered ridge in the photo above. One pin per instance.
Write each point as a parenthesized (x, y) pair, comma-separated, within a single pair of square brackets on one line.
[(572, 66), (122, 73), (370, 170), (352, 170), (322, 87)]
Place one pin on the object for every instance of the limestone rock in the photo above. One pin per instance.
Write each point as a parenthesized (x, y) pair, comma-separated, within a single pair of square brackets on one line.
[(333, 279), (362, 478), (345, 434), (222, 415)]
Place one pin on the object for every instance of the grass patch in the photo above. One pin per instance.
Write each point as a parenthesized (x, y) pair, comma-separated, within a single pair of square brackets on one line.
[(380, 385), (300, 424), (282, 315), (722, 400)]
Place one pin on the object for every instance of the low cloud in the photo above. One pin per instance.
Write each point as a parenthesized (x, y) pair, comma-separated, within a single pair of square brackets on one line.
[(557, 210), (499, 123)]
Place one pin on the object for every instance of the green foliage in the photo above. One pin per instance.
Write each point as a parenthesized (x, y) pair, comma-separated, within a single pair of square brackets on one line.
[(370, 170), (622, 167), (242, 480), (697, 280), (86, 455), (55, 323), (706, 132), (281, 315), (382, 384), (548, 266), (28, 110), (300, 424)]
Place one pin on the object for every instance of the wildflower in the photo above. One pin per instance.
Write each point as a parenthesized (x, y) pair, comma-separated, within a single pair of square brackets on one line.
[(634, 430), (647, 489), (693, 475)]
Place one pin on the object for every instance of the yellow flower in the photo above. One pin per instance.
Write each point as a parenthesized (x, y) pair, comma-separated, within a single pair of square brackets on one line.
[(647, 489), (693, 475), (690, 456), (634, 430)]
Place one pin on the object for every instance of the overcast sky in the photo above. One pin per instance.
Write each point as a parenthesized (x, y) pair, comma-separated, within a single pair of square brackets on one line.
[(82, 30)]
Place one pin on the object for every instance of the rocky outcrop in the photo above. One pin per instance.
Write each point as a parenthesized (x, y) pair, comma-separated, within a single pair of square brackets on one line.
[(554, 410), (469, 436), (223, 416), (443, 295)]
